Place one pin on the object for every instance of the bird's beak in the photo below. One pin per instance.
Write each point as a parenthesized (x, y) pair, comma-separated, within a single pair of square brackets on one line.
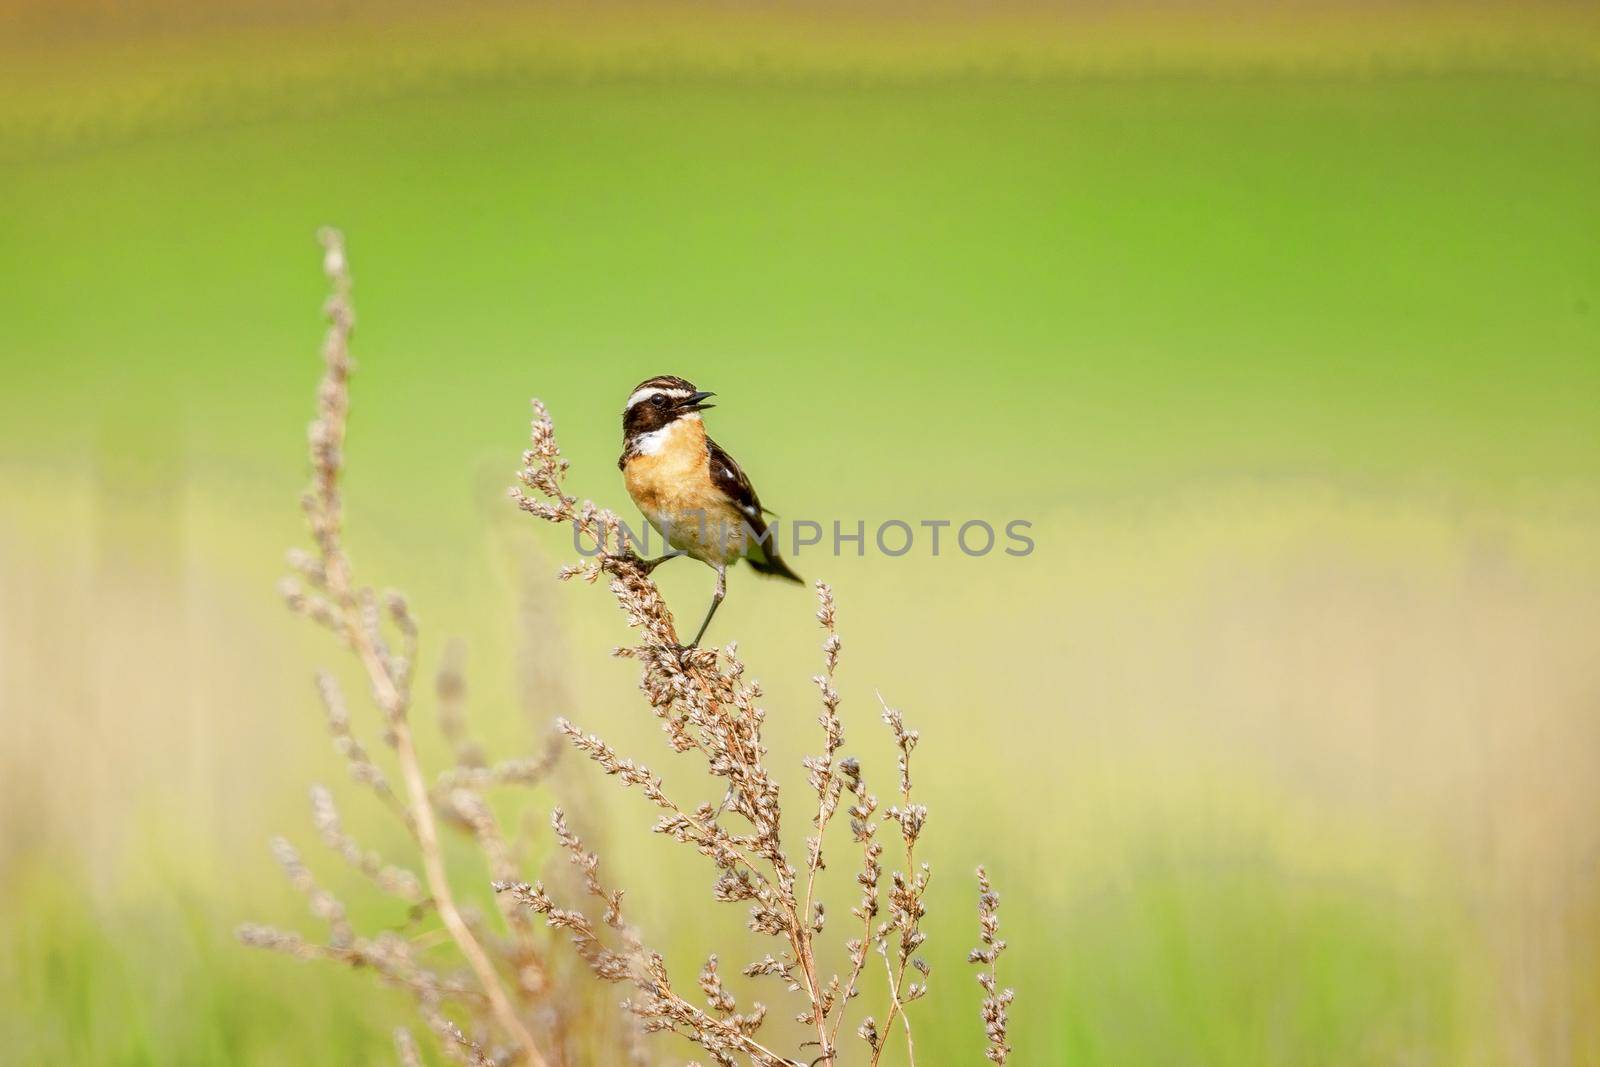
[(696, 401)]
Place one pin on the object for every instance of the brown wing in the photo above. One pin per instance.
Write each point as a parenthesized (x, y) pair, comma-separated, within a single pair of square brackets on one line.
[(727, 476)]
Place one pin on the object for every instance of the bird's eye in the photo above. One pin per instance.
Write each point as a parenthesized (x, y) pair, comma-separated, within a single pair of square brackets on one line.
[(659, 400)]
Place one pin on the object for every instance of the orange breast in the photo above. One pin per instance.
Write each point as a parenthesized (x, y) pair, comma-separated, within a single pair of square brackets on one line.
[(670, 481)]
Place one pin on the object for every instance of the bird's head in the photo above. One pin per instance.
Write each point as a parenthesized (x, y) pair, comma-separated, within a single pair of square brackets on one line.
[(658, 402)]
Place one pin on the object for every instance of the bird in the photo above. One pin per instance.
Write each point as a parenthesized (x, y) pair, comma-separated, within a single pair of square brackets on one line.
[(690, 490)]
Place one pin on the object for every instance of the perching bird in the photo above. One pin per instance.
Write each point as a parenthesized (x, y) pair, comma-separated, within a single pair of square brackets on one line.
[(689, 489)]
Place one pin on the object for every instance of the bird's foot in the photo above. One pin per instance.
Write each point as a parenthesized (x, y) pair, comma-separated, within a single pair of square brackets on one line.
[(646, 566)]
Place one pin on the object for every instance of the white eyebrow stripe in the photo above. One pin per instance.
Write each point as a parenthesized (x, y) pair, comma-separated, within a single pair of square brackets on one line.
[(647, 393)]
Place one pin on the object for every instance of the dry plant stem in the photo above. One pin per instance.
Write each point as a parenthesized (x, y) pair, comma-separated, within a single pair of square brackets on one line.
[(907, 894), (660, 1007), (865, 832), (996, 1002), (711, 837), (406, 1049), (895, 1007), (826, 782), (390, 694), (857, 965), (703, 708)]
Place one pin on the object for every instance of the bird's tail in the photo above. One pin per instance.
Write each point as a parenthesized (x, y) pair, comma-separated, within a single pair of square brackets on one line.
[(763, 556), (774, 565)]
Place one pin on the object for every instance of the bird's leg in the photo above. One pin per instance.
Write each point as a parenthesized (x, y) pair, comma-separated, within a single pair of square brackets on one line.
[(716, 601)]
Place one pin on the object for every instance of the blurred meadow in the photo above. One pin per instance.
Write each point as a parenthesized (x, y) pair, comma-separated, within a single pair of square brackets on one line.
[(1280, 323)]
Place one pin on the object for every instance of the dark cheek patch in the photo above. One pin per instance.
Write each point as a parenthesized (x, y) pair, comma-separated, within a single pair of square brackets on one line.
[(644, 418)]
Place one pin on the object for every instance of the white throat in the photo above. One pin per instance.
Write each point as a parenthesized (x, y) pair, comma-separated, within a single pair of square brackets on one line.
[(654, 442)]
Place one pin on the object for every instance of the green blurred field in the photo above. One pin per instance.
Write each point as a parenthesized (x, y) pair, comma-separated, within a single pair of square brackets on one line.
[(1282, 747)]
